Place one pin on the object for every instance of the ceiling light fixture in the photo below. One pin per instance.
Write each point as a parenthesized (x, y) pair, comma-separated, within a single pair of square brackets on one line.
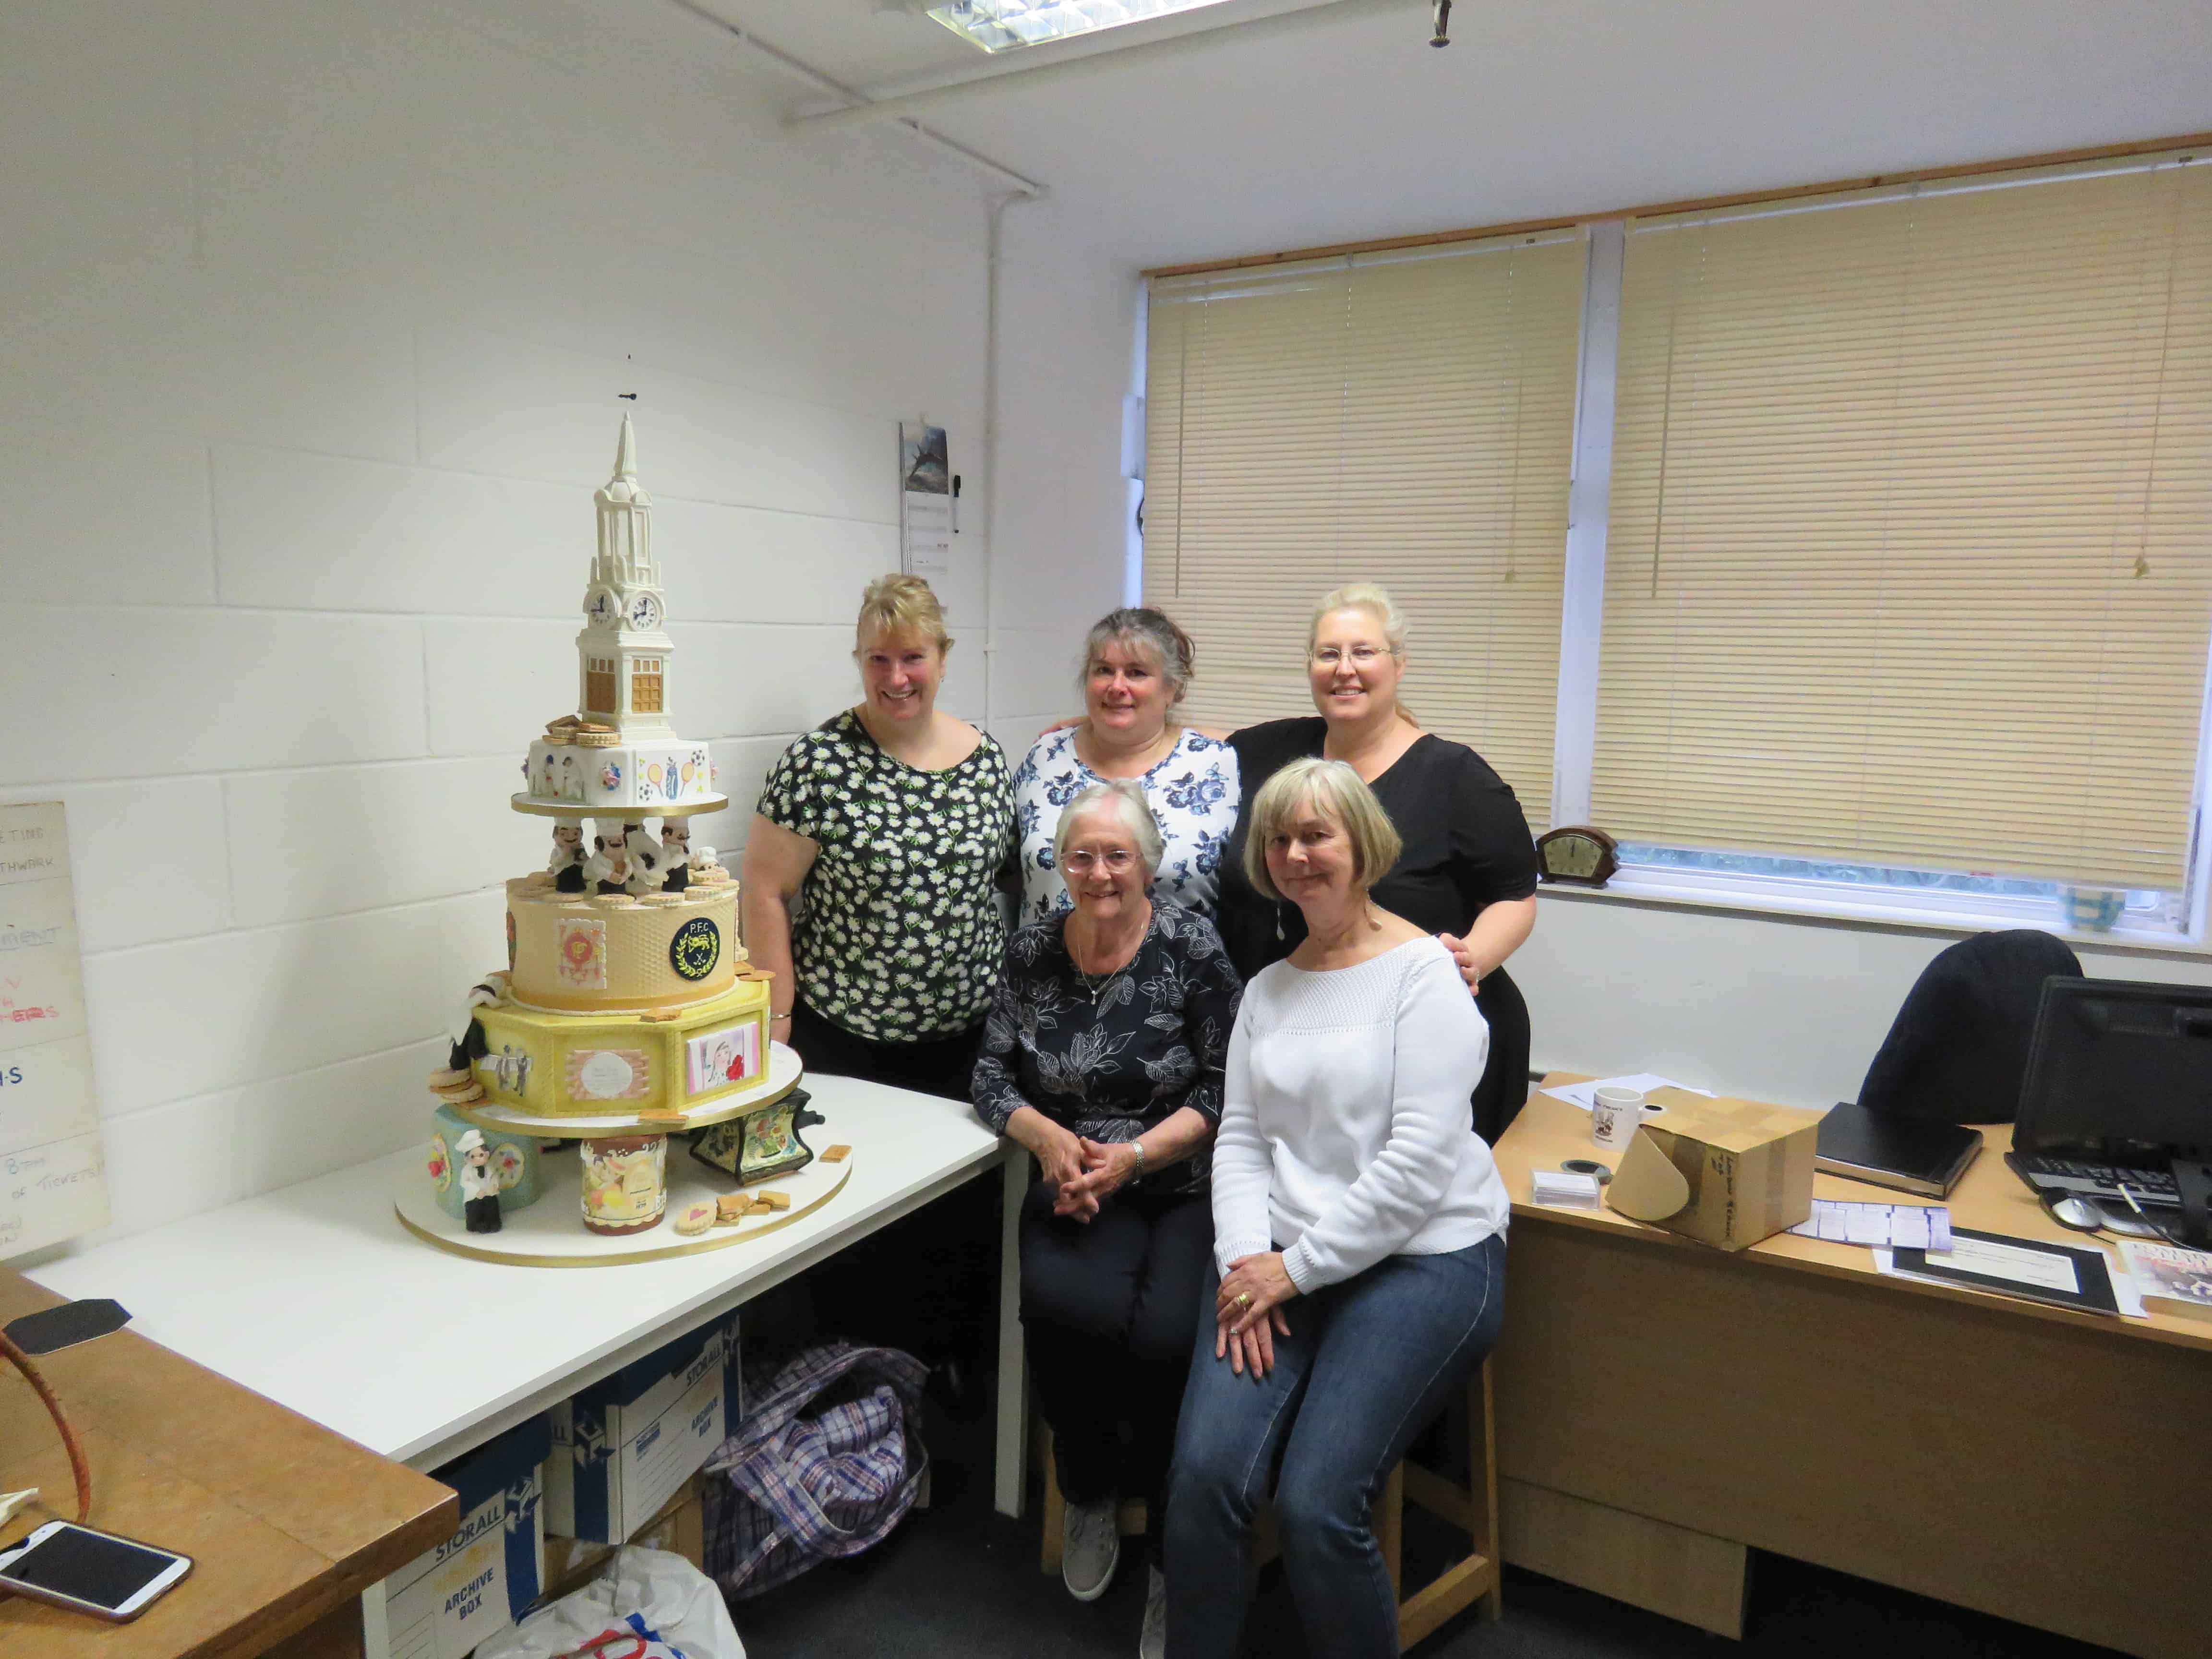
[(1001, 25)]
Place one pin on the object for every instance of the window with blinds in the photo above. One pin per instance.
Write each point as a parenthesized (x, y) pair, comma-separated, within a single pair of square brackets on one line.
[(1909, 553), (1400, 417)]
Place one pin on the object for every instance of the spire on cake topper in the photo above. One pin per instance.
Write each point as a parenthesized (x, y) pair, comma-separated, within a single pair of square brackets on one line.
[(622, 654)]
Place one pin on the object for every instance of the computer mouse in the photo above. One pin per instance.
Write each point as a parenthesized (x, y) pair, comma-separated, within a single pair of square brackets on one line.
[(2086, 1214), (2072, 1210)]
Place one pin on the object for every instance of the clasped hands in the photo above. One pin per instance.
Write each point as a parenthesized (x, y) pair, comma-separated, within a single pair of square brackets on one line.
[(1247, 1312), (1085, 1171)]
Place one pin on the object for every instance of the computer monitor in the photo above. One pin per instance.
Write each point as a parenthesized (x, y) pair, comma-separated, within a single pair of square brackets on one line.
[(2118, 1071)]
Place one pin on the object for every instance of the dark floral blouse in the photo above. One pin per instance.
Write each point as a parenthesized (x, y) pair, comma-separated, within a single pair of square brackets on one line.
[(1111, 1058)]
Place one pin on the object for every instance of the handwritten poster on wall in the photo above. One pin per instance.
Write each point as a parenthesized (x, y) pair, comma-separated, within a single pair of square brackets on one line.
[(53, 1174)]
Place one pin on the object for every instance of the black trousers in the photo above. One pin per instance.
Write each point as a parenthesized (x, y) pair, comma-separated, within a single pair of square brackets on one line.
[(1504, 1090), (942, 1066), (1107, 1308), (928, 1283)]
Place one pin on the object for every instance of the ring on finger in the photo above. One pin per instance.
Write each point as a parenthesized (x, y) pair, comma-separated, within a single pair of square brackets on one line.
[(1244, 1299)]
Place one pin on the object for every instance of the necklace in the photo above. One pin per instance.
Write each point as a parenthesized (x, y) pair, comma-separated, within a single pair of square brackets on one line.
[(1097, 983)]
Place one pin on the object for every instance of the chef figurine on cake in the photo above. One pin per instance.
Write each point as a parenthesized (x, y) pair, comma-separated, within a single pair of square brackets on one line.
[(675, 851), (479, 1185), (647, 863), (607, 872), (566, 865)]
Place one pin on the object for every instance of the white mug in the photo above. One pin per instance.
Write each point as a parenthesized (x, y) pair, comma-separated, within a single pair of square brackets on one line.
[(1614, 1114)]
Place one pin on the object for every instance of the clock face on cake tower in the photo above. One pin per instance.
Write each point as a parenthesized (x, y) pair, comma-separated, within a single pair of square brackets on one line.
[(645, 613)]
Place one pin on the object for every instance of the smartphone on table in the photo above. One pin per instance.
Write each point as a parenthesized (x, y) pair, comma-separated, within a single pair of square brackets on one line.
[(90, 1571)]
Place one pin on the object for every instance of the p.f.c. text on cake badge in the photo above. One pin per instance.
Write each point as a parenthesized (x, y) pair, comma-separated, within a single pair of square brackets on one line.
[(52, 1167)]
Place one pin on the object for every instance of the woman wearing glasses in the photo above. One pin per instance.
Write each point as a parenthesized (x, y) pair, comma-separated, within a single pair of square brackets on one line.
[(1103, 1053), (1468, 872)]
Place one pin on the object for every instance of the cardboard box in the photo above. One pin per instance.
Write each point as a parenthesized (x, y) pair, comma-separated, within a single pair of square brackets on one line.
[(625, 1446), (1723, 1172), (484, 1577), (680, 1528)]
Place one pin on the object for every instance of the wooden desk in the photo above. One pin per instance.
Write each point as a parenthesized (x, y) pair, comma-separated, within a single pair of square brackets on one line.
[(284, 1522), (1662, 1406)]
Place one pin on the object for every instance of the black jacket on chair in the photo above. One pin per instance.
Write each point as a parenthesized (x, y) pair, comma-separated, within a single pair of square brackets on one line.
[(1958, 1050)]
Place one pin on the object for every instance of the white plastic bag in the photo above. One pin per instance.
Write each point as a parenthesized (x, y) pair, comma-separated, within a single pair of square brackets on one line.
[(652, 1604)]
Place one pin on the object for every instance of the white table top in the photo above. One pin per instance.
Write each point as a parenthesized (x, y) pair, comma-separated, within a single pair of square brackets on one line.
[(315, 1295)]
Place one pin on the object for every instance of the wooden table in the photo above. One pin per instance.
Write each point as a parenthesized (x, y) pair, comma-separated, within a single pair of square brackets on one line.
[(316, 1296), (1663, 1408), (285, 1522)]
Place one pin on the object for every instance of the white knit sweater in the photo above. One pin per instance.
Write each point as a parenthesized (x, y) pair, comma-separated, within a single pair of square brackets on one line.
[(1345, 1129)]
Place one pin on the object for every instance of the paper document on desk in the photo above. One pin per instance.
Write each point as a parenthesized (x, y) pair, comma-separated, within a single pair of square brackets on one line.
[(2082, 1276), (1923, 1226), (1579, 1094)]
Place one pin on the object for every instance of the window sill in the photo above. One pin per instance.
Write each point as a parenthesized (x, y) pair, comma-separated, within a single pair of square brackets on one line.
[(1638, 894)]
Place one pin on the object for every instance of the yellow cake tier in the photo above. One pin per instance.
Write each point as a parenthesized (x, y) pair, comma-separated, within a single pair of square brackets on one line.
[(603, 953), (595, 1064)]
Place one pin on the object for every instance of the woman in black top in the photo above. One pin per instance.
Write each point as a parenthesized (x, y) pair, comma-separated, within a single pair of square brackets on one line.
[(1469, 870), (1103, 1055)]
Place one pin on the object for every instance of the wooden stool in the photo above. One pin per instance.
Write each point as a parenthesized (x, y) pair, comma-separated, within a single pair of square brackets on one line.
[(1473, 1508)]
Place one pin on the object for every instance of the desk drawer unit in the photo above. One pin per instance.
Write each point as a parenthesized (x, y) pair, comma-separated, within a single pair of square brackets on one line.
[(1962, 1449)]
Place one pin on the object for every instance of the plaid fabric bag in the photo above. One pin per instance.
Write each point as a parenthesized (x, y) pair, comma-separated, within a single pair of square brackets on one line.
[(825, 1466)]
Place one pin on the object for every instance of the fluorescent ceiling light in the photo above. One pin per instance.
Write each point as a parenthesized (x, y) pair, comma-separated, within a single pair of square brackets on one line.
[(998, 25)]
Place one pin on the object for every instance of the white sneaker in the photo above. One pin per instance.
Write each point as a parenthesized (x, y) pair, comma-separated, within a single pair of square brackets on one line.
[(1091, 1547), (1153, 1643)]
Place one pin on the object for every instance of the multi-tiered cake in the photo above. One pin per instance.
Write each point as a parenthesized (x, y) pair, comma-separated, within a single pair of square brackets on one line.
[(626, 1011)]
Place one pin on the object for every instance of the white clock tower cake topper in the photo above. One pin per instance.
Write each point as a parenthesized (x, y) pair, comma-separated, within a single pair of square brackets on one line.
[(622, 653), (619, 753)]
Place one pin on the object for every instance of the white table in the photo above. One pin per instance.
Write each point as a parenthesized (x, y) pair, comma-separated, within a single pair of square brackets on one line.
[(315, 1295)]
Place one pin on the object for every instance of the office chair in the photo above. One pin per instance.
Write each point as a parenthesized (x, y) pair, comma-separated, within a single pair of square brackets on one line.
[(1957, 1052)]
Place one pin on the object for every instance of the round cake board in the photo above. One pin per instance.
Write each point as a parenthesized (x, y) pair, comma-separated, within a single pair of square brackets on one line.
[(550, 1233), (539, 806), (781, 1077)]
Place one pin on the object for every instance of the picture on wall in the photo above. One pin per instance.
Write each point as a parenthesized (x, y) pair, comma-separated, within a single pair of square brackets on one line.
[(715, 1059)]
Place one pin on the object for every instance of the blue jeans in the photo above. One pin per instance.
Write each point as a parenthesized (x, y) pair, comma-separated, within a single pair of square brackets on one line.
[(1367, 1365)]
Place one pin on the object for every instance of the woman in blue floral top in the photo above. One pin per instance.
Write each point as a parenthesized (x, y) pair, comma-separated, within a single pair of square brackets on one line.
[(1137, 665), (1104, 1055)]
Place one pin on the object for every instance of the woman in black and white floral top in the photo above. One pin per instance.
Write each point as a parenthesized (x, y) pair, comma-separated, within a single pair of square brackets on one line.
[(1103, 1056), (894, 819)]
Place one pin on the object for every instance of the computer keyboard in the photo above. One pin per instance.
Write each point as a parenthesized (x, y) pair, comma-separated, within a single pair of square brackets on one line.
[(2102, 1179)]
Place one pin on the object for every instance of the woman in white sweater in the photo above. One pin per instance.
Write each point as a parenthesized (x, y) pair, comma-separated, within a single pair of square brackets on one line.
[(1360, 1230)]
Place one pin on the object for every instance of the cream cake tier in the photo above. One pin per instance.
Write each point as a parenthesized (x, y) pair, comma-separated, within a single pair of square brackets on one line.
[(621, 779), (577, 953), (586, 1065)]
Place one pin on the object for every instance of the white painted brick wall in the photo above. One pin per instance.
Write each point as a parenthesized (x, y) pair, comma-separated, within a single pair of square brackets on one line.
[(314, 315)]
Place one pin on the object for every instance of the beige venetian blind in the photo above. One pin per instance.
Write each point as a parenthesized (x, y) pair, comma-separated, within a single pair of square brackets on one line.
[(1910, 558), (1404, 418)]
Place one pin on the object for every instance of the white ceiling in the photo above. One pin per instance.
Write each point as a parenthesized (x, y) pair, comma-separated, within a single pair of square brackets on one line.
[(1360, 129)]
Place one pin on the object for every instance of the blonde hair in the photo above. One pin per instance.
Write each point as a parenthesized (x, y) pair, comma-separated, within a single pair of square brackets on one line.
[(1374, 600), (902, 607), (1335, 790)]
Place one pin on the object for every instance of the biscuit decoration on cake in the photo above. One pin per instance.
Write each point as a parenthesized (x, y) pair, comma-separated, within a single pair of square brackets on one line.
[(837, 1154), (695, 1219), (731, 1208)]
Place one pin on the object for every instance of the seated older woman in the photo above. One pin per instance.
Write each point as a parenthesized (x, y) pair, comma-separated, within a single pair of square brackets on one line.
[(1103, 1055), (1360, 1232)]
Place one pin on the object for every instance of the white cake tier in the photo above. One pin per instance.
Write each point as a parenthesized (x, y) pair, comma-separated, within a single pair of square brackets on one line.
[(637, 779)]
